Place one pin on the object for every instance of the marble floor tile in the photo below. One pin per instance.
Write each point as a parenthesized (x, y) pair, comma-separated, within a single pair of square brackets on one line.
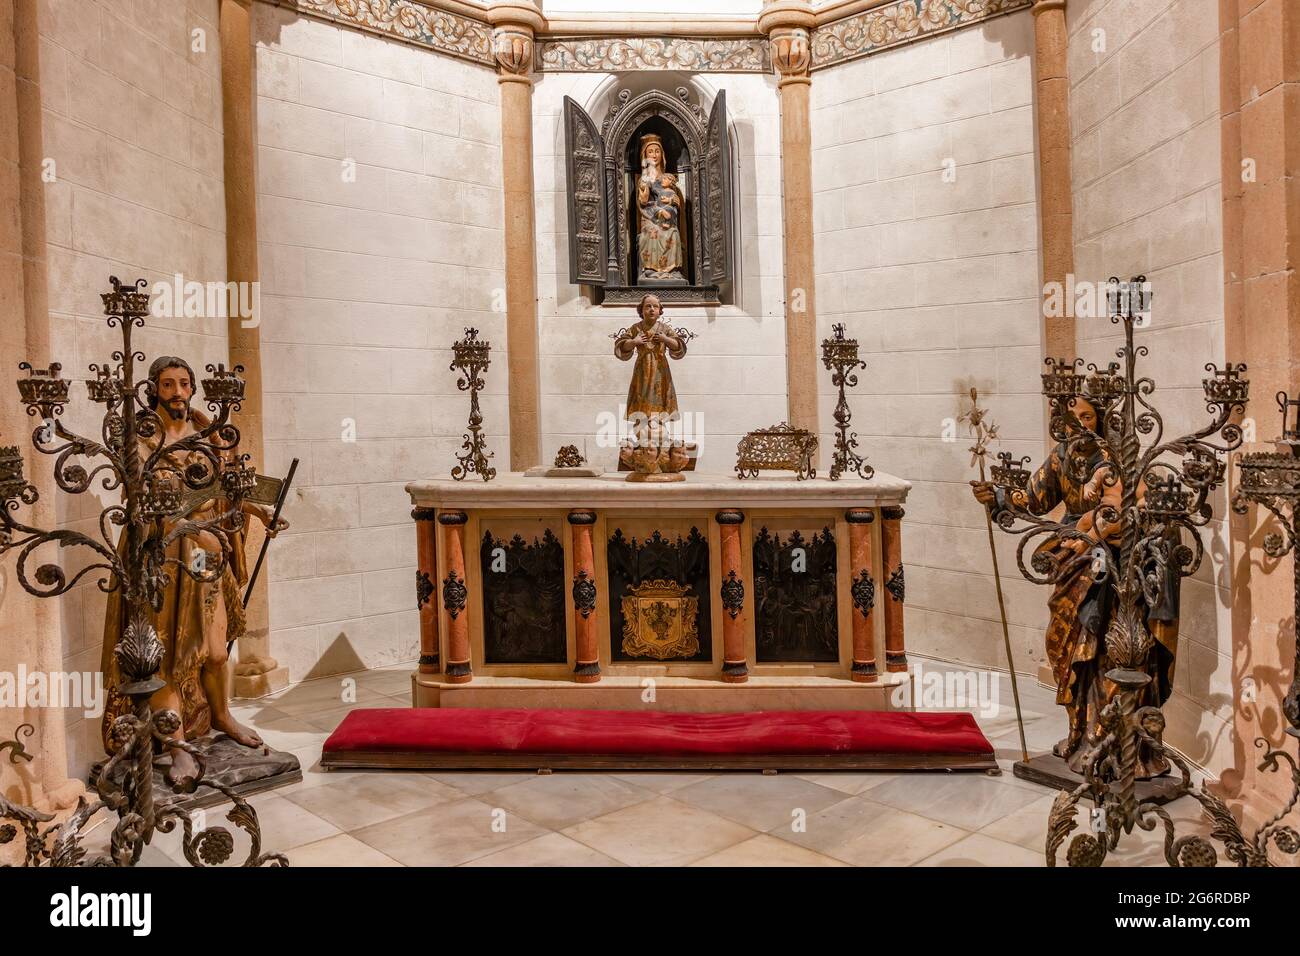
[(362, 799), (851, 783), (864, 833), (326, 694), (757, 801), (329, 720), (553, 849), (764, 850), (662, 781), (475, 782), (390, 683), (290, 733), (339, 850), (448, 834), (659, 832), (965, 800), (980, 850), (1025, 826), (559, 800)]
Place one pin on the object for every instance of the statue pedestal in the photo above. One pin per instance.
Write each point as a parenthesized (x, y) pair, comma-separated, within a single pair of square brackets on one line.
[(253, 686), (1049, 770), (242, 769)]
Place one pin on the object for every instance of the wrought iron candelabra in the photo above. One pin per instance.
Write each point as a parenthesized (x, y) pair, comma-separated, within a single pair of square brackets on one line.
[(1159, 498), (139, 568), (1272, 481), (472, 359), (840, 356)]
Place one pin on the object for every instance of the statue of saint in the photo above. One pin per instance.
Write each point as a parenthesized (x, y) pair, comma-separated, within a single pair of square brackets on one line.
[(1081, 607), (660, 205), (651, 398), (197, 620)]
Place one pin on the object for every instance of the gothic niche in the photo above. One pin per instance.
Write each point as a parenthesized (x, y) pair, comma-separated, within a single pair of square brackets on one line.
[(659, 598), (523, 600), (794, 598), (649, 197)]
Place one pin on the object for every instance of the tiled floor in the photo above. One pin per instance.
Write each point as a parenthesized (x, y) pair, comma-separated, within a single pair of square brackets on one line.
[(383, 818)]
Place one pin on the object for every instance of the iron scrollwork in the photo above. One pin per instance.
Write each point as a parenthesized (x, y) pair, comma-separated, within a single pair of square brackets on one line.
[(1176, 478), (584, 594), (140, 568), (472, 358), (840, 356)]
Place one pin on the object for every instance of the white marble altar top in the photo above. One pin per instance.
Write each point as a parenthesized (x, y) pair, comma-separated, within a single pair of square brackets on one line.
[(699, 490)]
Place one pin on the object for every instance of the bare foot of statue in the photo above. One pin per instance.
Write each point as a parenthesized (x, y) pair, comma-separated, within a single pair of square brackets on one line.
[(235, 730), (184, 771)]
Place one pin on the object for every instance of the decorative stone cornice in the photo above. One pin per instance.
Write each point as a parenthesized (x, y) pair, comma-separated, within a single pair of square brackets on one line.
[(627, 53), (900, 22), (436, 27), (508, 34)]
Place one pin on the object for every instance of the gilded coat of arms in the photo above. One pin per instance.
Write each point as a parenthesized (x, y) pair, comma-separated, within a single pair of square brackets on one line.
[(659, 621)]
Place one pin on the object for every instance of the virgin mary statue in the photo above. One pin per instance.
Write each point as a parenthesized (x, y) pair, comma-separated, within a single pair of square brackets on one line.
[(660, 205)]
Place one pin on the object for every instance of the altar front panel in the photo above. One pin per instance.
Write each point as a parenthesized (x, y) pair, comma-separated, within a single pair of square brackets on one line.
[(657, 561)]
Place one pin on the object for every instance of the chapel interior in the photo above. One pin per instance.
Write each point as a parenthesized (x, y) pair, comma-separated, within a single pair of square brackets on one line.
[(584, 375)]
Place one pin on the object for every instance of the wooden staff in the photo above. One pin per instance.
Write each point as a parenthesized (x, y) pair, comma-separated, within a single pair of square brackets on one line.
[(983, 433)]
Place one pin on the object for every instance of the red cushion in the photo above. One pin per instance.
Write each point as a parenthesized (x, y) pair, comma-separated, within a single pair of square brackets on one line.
[(629, 732)]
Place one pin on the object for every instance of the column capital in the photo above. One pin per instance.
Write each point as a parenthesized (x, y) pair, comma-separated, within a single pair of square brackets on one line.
[(514, 24), (788, 25), (1042, 6)]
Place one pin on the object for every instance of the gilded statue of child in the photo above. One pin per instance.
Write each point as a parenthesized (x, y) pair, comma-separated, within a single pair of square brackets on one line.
[(651, 398)]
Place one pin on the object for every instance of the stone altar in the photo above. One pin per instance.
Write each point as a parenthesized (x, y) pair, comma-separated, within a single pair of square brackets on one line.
[(730, 594)]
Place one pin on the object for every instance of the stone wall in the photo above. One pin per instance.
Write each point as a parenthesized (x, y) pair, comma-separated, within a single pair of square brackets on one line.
[(379, 217), (927, 250), (132, 130), (1144, 103)]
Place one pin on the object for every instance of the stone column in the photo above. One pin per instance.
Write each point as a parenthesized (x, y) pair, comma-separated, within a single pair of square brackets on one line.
[(862, 588), (514, 22), (455, 598), (426, 572), (1259, 97), (1055, 197), (586, 667), (787, 24), (891, 536), (735, 666), (32, 627), (257, 673)]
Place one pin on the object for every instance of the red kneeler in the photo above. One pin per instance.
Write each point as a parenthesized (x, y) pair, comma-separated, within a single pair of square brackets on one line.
[(469, 738)]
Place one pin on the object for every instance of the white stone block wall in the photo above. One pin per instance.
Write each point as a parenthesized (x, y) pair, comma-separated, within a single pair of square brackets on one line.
[(1144, 102), (733, 377), (132, 137), (924, 181), (380, 240)]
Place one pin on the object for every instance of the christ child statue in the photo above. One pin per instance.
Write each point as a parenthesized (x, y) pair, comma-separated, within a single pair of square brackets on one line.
[(651, 398)]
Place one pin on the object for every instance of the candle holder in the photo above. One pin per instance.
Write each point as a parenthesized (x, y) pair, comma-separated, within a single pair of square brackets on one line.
[(1150, 550), (472, 358), (1272, 481), (840, 356), (139, 568)]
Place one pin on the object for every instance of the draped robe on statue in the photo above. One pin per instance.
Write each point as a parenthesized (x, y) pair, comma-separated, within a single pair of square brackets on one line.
[(1081, 610), (190, 611)]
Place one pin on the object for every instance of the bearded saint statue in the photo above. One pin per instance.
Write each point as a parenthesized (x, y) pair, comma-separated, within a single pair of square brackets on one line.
[(198, 621)]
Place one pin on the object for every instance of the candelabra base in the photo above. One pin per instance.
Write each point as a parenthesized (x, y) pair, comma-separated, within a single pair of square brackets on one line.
[(244, 770), (1049, 770)]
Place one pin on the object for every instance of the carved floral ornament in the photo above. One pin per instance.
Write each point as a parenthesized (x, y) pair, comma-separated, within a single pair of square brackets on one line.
[(792, 52)]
